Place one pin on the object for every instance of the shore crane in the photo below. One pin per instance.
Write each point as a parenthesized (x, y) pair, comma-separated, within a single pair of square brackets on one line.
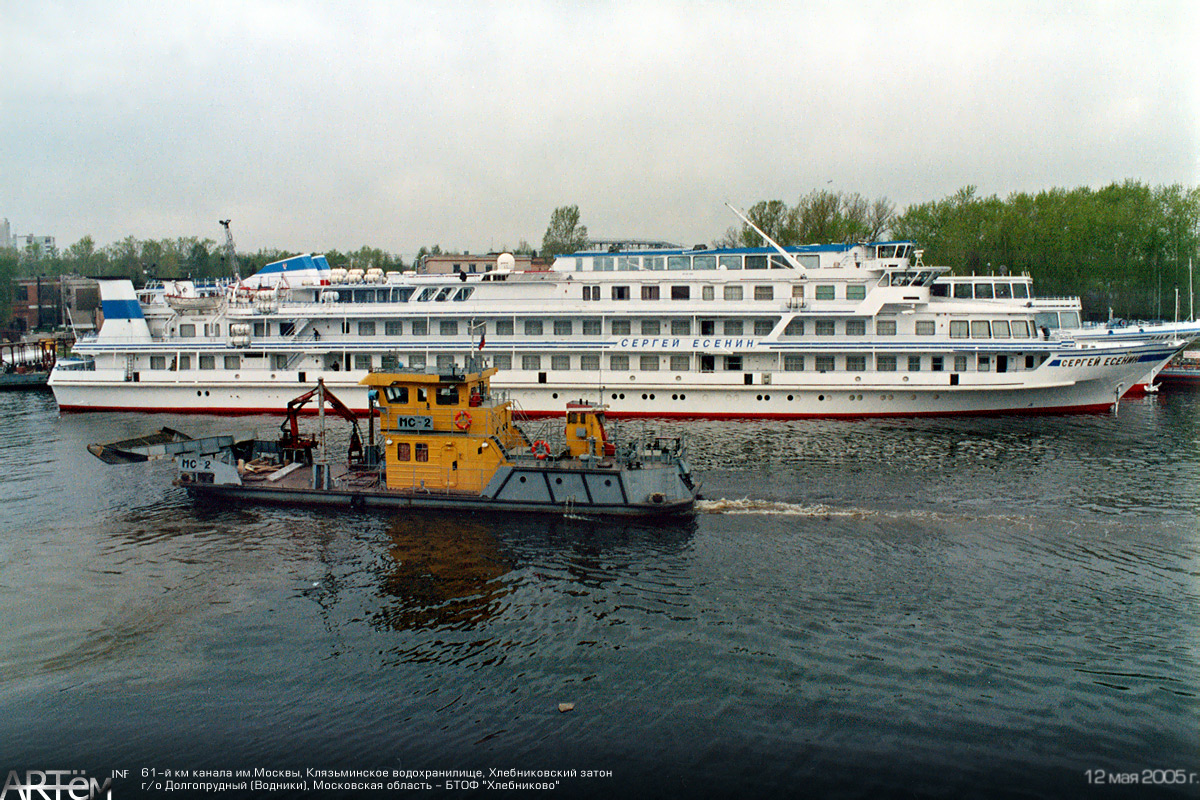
[(230, 251)]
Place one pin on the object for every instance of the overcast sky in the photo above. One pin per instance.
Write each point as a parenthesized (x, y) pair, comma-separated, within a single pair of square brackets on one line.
[(333, 125)]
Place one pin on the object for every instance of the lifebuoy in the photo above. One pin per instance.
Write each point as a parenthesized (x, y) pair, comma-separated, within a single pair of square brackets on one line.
[(462, 420), (540, 449)]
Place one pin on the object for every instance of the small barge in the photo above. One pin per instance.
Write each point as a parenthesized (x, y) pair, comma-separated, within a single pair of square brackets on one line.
[(444, 442), (1183, 370), (27, 365)]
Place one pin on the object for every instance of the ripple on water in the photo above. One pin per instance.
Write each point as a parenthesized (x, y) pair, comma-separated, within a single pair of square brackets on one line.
[(885, 600)]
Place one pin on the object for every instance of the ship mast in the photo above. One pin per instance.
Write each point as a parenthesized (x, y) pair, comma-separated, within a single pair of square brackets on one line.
[(230, 251), (791, 259)]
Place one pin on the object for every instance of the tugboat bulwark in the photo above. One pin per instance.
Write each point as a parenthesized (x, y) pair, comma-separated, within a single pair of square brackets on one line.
[(443, 441)]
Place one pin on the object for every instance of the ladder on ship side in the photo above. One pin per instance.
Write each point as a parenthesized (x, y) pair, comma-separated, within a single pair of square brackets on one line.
[(297, 337)]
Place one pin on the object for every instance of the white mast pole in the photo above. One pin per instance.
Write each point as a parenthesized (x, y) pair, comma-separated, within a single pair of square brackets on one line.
[(790, 258)]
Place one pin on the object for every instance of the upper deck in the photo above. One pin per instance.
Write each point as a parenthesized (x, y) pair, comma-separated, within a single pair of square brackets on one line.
[(875, 256)]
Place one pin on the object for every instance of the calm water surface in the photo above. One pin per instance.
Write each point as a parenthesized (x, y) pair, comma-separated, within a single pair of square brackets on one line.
[(960, 608)]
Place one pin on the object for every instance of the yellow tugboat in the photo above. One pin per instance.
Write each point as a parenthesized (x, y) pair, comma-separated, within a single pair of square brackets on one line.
[(443, 441)]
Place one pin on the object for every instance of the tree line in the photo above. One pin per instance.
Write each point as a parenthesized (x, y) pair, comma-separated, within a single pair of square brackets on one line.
[(1125, 247), (185, 257)]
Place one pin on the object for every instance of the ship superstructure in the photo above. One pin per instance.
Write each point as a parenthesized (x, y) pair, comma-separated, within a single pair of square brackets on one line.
[(828, 331)]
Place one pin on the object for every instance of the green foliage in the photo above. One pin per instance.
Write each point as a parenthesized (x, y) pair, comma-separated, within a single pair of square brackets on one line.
[(1125, 246), (9, 265), (819, 217), (185, 257), (366, 258), (565, 234)]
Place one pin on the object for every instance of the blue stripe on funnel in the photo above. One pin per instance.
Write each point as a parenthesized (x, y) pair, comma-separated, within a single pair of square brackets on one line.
[(121, 309)]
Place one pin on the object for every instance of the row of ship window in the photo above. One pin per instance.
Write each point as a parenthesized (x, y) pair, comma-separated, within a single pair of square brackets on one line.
[(682, 263), (959, 329), (729, 292), (732, 292), (981, 291), (854, 291), (621, 363)]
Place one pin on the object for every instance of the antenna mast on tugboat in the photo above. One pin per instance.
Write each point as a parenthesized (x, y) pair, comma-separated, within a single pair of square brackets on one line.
[(230, 251), (790, 258)]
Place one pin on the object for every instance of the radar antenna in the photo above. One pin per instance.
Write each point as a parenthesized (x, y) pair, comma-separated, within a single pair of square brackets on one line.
[(230, 250)]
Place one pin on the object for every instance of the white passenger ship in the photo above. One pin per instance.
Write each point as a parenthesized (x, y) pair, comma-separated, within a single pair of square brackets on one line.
[(814, 331)]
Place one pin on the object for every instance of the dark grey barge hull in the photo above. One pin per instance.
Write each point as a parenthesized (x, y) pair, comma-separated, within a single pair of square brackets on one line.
[(382, 499), (14, 381)]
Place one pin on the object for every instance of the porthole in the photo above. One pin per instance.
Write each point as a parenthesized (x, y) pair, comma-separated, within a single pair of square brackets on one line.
[(790, 398), (608, 481), (767, 397), (683, 397), (555, 395), (645, 397), (758, 397), (651, 396), (558, 480), (820, 397), (522, 479)]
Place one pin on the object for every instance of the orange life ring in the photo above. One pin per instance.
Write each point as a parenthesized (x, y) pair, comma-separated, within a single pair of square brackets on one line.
[(462, 420), (540, 449)]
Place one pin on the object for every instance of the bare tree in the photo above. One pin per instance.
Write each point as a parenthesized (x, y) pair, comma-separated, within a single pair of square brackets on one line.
[(879, 220)]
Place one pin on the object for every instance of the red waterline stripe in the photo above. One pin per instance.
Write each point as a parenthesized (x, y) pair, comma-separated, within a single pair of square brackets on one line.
[(1095, 408)]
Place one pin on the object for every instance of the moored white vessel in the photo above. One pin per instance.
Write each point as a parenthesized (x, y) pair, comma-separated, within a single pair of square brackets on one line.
[(1062, 316), (814, 331)]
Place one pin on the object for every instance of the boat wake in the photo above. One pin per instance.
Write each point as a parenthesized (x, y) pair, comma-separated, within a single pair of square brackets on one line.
[(774, 507), (747, 505)]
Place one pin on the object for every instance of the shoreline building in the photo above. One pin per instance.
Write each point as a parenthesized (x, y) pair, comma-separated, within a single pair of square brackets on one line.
[(54, 301), (32, 244), (451, 263)]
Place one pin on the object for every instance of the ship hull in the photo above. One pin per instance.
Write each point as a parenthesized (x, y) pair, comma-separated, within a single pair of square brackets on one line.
[(347, 499), (1059, 386)]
